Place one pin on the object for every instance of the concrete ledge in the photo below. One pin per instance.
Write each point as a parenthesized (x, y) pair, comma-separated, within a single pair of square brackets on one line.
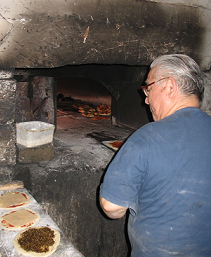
[(35, 154)]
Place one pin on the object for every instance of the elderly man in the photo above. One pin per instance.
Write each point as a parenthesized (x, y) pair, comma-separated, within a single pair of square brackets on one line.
[(162, 173)]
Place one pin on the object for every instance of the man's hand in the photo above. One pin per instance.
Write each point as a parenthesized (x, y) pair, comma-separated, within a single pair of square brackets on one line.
[(113, 211)]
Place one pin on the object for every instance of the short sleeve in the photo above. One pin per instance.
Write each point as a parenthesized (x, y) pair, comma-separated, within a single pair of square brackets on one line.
[(125, 175)]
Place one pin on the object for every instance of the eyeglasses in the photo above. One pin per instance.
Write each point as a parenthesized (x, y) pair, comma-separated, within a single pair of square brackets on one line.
[(144, 88)]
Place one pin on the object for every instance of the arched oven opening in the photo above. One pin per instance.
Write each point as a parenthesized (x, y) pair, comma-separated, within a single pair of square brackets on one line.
[(42, 93)]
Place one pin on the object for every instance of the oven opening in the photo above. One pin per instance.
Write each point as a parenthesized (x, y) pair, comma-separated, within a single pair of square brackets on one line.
[(115, 90)]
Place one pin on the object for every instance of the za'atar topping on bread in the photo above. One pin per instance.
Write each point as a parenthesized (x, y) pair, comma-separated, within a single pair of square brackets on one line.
[(41, 241)]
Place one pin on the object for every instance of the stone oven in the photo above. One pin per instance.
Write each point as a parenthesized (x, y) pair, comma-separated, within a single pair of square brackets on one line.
[(46, 45)]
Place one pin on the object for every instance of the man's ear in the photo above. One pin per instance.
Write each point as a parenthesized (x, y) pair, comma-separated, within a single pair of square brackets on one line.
[(172, 87)]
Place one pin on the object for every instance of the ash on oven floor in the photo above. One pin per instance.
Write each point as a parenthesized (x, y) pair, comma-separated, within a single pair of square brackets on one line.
[(102, 136)]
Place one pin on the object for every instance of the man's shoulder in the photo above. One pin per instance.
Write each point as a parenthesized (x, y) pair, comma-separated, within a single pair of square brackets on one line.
[(187, 118), (183, 118)]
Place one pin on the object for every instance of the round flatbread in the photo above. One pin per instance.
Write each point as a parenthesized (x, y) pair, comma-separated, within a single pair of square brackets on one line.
[(20, 219), (13, 199), (36, 242), (104, 110)]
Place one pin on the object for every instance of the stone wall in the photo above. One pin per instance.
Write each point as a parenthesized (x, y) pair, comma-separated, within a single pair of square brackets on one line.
[(7, 119), (35, 100)]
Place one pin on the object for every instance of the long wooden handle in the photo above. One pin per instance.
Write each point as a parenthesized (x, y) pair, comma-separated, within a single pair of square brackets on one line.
[(11, 185)]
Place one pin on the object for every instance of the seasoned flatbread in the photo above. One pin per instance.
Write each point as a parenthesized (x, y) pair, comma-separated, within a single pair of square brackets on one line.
[(36, 242), (13, 199), (104, 110), (18, 219)]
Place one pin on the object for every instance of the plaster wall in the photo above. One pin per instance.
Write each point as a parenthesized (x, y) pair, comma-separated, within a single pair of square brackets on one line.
[(57, 32), (205, 18), (206, 103)]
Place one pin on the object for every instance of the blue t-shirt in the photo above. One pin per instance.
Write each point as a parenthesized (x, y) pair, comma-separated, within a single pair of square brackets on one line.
[(163, 175)]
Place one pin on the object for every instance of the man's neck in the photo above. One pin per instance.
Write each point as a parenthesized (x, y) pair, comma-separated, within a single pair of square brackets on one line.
[(183, 102)]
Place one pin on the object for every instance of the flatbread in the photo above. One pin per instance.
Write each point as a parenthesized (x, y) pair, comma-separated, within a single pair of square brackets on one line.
[(20, 219), (104, 110), (33, 237), (115, 145), (13, 199)]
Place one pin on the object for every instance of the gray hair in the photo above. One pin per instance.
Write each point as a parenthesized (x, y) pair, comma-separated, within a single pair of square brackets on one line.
[(184, 70)]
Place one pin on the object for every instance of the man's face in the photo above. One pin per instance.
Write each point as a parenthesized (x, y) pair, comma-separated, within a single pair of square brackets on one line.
[(156, 96)]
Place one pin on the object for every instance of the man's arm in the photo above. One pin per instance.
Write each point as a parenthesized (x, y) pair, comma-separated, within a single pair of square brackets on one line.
[(112, 210)]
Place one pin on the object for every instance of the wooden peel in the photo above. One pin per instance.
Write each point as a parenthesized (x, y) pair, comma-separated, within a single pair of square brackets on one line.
[(11, 185)]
